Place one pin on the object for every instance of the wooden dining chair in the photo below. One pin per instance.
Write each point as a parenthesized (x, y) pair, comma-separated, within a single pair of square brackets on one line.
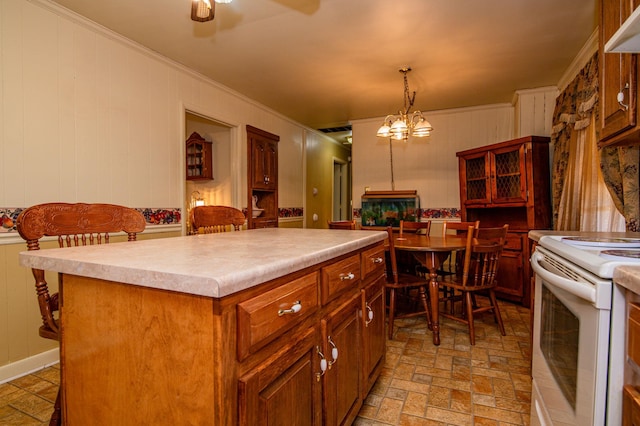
[(214, 219), (404, 284), (460, 229), (77, 224), (479, 275), (341, 224), (422, 228)]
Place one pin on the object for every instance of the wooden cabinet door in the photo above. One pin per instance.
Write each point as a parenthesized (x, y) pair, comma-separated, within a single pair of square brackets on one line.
[(618, 73), (475, 187), (511, 279), (508, 171), (264, 164), (341, 382), (271, 164), (373, 334), (285, 389)]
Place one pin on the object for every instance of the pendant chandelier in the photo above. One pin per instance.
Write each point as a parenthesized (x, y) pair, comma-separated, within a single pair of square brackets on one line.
[(204, 10), (400, 127)]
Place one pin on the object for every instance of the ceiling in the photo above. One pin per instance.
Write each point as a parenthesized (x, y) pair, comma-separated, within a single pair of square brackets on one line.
[(326, 62)]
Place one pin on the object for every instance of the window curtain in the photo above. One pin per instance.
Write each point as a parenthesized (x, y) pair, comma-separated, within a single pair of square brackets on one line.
[(581, 200), (620, 171)]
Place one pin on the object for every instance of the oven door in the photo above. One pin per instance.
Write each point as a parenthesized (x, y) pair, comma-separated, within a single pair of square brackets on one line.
[(570, 343)]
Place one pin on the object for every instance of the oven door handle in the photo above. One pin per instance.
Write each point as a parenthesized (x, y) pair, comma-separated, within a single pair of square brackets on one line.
[(580, 289)]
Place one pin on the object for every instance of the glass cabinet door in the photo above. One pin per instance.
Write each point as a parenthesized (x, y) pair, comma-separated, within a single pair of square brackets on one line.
[(477, 172), (508, 184)]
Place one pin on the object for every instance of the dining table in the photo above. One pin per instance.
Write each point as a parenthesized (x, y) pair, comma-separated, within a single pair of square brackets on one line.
[(431, 252)]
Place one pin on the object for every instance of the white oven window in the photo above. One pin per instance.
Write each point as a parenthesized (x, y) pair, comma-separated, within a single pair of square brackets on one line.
[(559, 343)]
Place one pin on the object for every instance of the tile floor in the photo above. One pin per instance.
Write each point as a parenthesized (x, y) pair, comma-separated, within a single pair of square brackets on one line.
[(421, 384)]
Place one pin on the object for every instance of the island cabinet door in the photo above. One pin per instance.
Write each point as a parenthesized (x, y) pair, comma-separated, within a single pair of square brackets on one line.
[(373, 334), (285, 389), (340, 346)]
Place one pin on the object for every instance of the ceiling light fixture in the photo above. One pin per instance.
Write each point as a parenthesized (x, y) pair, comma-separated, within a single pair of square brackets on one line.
[(401, 126), (204, 10)]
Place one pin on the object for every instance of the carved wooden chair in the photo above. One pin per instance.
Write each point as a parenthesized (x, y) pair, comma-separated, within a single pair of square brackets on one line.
[(75, 225), (214, 219), (400, 284), (479, 274), (342, 224)]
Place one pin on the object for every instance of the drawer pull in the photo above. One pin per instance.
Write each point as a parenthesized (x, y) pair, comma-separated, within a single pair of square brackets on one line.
[(347, 277), (295, 308), (323, 364), (334, 352), (369, 315), (377, 259)]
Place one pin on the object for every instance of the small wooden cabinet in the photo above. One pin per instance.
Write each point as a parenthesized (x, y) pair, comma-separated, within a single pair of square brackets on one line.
[(262, 171), (618, 73), (199, 160), (509, 182)]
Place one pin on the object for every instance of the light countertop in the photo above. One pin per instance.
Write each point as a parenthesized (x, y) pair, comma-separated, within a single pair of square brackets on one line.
[(213, 265), (628, 277)]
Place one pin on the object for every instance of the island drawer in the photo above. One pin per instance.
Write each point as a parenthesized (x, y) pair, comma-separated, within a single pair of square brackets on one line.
[(265, 317), (373, 261), (339, 277)]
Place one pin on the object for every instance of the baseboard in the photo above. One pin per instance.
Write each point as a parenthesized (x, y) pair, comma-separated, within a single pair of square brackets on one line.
[(29, 365)]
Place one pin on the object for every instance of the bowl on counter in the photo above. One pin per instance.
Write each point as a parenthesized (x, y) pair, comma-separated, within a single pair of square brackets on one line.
[(256, 212)]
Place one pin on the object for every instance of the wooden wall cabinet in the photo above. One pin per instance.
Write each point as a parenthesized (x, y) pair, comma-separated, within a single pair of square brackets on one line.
[(509, 182), (199, 158), (244, 359), (618, 73), (262, 171)]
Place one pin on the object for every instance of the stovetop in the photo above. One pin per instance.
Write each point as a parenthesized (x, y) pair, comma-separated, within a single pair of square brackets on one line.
[(598, 255)]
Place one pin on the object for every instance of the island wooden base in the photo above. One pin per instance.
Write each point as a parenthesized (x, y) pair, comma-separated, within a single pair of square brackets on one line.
[(134, 355)]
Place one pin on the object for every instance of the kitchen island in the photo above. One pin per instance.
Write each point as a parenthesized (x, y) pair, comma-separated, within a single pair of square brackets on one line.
[(266, 326)]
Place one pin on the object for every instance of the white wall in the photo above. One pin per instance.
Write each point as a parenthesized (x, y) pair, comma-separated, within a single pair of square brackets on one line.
[(87, 115), (428, 165)]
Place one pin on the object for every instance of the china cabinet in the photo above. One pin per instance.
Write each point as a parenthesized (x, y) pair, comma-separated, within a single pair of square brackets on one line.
[(262, 170), (618, 79), (508, 182), (199, 158)]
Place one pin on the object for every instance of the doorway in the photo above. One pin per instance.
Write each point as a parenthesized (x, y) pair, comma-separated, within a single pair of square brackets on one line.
[(341, 198), (221, 190)]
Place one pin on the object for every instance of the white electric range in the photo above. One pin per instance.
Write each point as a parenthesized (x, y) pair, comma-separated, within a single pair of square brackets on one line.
[(578, 330)]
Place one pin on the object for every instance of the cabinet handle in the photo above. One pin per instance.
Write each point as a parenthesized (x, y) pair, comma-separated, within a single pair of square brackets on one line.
[(295, 308), (334, 352), (323, 364), (347, 277), (369, 315), (266, 179), (377, 259), (620, 98)]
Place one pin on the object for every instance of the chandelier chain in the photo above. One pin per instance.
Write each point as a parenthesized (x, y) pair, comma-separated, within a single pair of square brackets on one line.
[(408, 100)]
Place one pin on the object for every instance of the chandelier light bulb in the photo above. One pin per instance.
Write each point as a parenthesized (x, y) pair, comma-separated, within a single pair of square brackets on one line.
[(204, 8), (399, 127)]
